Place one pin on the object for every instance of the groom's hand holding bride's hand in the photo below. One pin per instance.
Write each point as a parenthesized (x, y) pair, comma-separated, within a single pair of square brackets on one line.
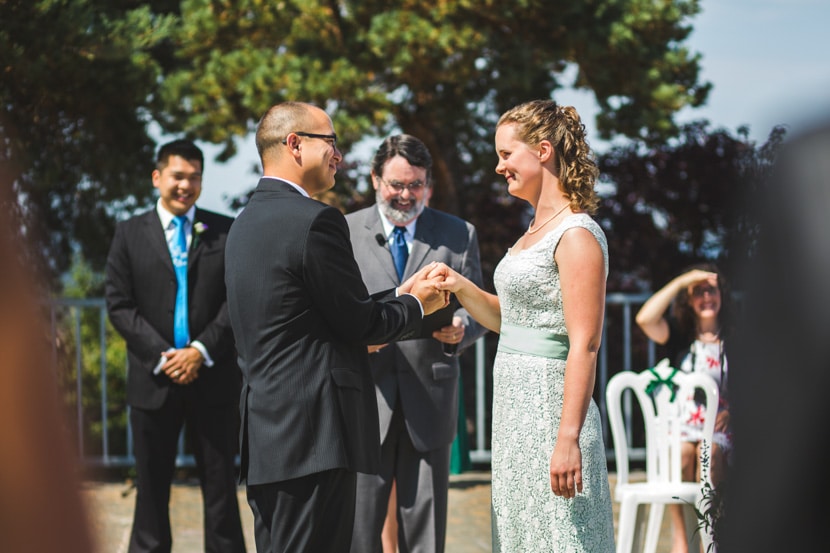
[(450, 280), (423, 285)]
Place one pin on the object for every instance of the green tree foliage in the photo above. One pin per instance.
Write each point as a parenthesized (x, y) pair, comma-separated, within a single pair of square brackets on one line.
[(82, 78), (432, 68), (76, 80), (682, 202), (441, 70)]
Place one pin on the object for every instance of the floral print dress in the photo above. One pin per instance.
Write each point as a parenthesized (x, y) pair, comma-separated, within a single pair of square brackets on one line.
[(707, 358)]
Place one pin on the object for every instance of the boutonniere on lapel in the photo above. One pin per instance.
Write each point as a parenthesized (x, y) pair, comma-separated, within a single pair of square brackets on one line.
[(198, 228)]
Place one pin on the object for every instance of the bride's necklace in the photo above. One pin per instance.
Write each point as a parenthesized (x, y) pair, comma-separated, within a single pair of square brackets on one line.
[(548, 220)]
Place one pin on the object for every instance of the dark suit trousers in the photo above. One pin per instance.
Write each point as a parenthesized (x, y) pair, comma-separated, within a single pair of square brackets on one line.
[(212, 432), (421, 479), (311, 514)]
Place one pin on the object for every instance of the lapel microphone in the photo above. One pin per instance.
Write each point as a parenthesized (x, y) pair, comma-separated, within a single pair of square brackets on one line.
[(380, 239)]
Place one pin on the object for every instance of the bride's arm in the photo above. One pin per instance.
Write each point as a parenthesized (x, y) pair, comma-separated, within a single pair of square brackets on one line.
[(482, 306), (582, 275)]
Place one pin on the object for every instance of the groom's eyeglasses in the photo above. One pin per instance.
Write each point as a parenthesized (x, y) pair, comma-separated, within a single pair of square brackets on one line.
[(330, 138)]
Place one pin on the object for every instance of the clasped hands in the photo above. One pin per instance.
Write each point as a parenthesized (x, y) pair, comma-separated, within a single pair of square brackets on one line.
[(182, 365), (429, 286), (440, 279)]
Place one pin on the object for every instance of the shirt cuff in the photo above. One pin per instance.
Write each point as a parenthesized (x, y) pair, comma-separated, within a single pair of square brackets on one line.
[(420, 305), (203, 350), (162, 361)]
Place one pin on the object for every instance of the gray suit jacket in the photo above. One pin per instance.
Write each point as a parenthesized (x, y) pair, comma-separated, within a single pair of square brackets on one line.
[(426, 379)]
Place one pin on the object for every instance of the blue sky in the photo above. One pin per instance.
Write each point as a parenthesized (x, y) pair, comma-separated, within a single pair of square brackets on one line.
[(768, 61)]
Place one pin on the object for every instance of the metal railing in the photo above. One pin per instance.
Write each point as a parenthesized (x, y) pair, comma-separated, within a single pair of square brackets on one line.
[(624, 360), (95, 448)]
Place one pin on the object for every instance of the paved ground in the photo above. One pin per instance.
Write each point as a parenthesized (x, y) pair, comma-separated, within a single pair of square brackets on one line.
[(111, 507)]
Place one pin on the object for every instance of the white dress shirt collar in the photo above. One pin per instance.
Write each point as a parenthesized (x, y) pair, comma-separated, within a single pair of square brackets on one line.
[(389, 228), (299, 188), (167, 217)]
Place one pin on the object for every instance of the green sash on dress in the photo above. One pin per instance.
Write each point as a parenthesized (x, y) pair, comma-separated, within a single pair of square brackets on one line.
[(532, 341)]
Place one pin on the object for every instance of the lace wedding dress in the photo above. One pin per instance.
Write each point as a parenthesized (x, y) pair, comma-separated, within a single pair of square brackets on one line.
[(527, 406)]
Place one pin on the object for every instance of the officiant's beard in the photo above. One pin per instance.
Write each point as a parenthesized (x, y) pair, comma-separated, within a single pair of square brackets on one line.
[(400, 216)]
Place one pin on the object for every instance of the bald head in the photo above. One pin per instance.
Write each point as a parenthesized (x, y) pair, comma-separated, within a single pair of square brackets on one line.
[(277, 122), (296, 142)]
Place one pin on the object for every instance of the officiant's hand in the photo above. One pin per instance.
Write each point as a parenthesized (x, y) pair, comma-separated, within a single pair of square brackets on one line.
[(451, 334)]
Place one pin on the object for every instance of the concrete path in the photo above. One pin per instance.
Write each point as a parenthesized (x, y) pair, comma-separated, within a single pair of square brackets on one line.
[(111, 506)]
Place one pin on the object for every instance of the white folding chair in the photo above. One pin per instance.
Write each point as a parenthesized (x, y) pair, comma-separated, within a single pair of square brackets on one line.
[(660, 403)]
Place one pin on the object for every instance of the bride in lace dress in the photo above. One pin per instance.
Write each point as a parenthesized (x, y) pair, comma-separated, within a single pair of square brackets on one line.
[(550, 481)]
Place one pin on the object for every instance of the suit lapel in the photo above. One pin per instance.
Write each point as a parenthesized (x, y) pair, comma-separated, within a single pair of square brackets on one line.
[(374, 227), (196, 238), (425, 236), (156, 240)]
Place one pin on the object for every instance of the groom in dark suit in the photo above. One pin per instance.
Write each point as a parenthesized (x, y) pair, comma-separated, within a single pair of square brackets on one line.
[(165, 293), (303, 320), (416, 381)]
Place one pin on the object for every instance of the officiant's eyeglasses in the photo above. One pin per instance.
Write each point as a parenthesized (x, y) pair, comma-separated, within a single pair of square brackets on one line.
[(330, 138), (397, 186)]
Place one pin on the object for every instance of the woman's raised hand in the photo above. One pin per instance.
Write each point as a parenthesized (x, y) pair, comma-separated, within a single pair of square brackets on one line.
[(697, 276)]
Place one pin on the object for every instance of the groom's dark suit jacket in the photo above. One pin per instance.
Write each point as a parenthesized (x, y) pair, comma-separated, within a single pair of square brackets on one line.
[(302, 319), (141, 298)]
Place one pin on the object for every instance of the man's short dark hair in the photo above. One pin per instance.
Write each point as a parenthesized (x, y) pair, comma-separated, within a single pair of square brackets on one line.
[(408, 147), (182, 148)]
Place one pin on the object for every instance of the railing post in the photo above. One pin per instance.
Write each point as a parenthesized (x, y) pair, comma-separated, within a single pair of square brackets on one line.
[(79, 373), (102, 341), (480, 455), (627, 406)]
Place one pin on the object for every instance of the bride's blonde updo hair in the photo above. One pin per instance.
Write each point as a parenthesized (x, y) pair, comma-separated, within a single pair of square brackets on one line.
[(539, 120)]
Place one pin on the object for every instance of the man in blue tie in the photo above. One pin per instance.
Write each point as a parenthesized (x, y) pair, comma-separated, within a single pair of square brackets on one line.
[(166, 296), (416, 381)]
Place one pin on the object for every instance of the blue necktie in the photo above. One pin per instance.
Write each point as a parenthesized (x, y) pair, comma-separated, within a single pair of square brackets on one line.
[(400, 253), (178, 252)]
